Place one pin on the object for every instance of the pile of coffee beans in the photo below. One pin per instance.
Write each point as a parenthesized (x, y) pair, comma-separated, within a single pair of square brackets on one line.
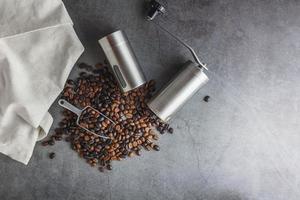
[(134, 127), (94, 121)]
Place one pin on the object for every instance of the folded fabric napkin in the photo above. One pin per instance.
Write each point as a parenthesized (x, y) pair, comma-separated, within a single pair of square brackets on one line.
[(38, 48)]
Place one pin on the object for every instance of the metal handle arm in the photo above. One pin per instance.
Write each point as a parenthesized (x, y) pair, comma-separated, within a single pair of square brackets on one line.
[(184, 44), (69, 106)]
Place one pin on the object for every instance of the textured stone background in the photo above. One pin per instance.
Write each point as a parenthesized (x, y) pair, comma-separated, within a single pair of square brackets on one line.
[(243, 144)]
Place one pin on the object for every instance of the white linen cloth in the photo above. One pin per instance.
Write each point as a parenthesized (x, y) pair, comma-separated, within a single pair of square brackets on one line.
[(38, 48)]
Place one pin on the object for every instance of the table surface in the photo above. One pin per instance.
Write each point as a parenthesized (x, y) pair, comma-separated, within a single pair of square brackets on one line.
[(243, 144)]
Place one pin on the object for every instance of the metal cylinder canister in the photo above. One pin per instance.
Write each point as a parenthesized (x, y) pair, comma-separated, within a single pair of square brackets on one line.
[(122, 60), (178, 91)]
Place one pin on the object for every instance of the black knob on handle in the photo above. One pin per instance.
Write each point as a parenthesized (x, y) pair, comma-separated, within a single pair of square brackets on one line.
[(155, 9)]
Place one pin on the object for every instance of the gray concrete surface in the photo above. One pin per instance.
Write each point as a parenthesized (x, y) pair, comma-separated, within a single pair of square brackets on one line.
[(243, 144)]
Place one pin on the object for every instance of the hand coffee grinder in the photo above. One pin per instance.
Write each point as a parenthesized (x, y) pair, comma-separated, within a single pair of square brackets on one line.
[(184, 84)]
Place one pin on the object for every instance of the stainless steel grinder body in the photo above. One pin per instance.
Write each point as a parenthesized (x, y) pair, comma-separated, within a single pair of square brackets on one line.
[(180, 89), (122, 60)]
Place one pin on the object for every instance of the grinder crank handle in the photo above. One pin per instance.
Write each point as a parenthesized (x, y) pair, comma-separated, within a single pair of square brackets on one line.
[(202, 65)]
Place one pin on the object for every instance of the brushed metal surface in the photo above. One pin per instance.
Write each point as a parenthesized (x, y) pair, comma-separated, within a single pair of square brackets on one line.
[(178, 91), (122, 60)]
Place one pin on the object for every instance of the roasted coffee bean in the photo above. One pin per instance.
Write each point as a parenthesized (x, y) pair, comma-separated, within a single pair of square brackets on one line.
[(51, 155), (58, 137), (101, 169), (82, 74), (45, 143), (67, 139), (51, 142), (70, 82), (109, 167), (83, 66), (206, 98), (134, 126), (156, 148), (138, 152), (171, 130), (160, 130), (86, 138)]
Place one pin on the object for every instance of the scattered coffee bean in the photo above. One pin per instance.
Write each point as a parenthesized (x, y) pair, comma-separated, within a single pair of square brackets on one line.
[(109, 167), (58, 137), (83, 65), (156, 147), (171, 130), (138, 152), (45, 143), (206, 98), (101, 169), (70, 82), (82, 74), (52, 155), (51, 142)]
